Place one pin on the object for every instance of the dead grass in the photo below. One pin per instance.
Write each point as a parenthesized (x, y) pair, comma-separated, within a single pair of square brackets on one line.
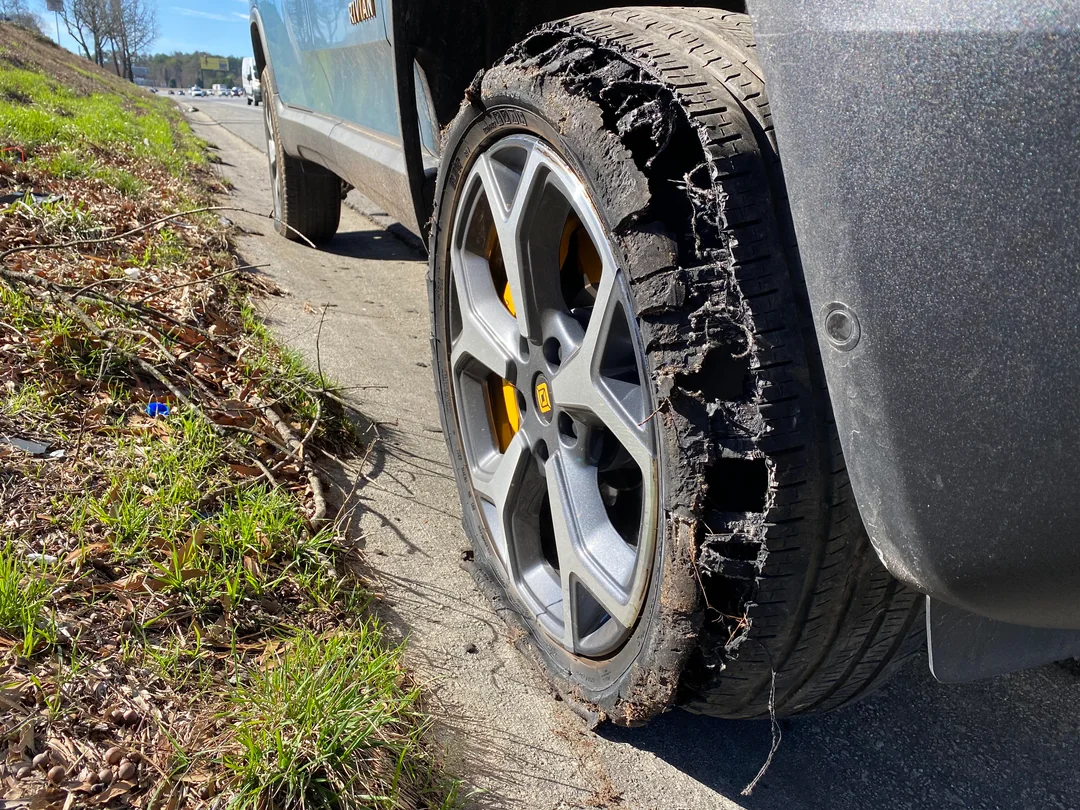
[(180, 624), (25, 50)]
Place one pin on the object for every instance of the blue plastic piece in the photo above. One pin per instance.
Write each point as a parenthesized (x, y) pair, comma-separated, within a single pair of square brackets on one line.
[(157, 409)]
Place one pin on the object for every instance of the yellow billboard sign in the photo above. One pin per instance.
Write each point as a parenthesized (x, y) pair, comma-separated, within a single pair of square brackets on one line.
[(213, 63)]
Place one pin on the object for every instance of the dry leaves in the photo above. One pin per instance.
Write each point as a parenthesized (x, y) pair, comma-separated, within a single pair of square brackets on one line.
[(89, 719)]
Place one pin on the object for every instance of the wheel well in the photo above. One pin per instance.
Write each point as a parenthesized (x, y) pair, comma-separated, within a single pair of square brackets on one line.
[(480, 31), (257, 49)]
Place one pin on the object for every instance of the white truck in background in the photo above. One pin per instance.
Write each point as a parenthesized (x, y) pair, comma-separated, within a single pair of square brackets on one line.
[(250, 79)]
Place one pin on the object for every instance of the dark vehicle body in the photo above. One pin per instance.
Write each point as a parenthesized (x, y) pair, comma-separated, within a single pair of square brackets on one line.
[(932, 158)]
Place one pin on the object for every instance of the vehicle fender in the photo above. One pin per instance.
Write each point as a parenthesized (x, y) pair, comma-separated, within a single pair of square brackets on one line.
[(933, 170)]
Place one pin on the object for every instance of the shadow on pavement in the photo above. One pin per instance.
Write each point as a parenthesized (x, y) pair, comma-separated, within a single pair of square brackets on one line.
[(376, 243), (1011, 742)]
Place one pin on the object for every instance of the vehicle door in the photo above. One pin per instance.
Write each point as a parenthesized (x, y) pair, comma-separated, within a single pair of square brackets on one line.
[(297, 32), (359, 64)]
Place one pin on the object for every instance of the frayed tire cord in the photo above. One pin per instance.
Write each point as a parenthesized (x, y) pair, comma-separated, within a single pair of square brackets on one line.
[(755, 487)]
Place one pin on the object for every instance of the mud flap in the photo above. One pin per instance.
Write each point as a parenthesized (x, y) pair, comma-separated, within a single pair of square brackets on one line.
[(965, 647)]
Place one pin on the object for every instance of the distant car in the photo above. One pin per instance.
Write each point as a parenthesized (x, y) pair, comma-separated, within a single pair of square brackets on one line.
[(249, 76), (238, 91), (172, 93)]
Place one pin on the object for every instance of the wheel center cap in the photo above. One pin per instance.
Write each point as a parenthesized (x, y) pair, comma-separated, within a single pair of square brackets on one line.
[(542, 397)]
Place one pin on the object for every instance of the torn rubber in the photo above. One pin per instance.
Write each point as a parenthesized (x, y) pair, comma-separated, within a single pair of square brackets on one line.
[(697, 330)]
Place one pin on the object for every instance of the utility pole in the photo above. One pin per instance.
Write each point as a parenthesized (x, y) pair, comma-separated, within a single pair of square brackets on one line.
[(55, 6)]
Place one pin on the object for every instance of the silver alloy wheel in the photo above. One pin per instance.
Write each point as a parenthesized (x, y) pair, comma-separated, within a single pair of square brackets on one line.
[(571, 502), (271, 156)]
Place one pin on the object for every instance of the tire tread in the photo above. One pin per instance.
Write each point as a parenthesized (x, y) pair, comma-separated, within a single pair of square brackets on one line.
[(839, 625), (310, 194)]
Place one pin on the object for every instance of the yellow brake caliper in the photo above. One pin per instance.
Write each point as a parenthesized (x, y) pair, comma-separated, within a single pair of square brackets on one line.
[(502, 397), (586, 259)]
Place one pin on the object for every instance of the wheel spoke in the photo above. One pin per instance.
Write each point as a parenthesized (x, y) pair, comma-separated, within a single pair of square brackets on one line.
[(508, 195), (580, 387), (591, 552), (499, 489), (488, 332), (584, 571)]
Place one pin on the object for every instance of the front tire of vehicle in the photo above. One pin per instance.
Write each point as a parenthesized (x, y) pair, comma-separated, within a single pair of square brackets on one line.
[(621, 165), (307, 197)]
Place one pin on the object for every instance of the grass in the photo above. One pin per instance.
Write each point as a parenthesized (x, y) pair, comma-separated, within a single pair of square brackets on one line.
[(61, 346), (283, 368), (30, 401), (72, 164), (36, 112), (154, 515), (58, 219), (185, 569), (24, 594), (154, 490), (290, 379), (332, 724)]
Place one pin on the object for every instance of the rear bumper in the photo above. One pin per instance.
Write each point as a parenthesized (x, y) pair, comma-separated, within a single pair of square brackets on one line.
[(932, 156)]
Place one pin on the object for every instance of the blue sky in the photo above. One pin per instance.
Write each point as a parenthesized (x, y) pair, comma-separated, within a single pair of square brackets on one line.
[(216, 27)]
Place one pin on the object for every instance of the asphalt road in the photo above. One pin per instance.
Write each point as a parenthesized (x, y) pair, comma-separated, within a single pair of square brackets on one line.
[(1012, 742)]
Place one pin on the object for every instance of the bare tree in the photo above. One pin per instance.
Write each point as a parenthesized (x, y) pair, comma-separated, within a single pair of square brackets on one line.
[(90, 23), (132, 30), (18, 12)]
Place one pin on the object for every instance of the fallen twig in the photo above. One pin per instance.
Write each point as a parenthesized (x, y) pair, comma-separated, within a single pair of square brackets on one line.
[(314, 424), (100, 240), (296, 447), (196, 282), (82, 420), (318, 337)]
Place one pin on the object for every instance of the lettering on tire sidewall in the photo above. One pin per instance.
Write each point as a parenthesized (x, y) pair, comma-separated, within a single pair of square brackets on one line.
[(504, 117), (495, 121)]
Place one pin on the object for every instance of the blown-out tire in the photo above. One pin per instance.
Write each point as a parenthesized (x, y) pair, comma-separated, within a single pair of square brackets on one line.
[(762, 579), (307, 196)]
